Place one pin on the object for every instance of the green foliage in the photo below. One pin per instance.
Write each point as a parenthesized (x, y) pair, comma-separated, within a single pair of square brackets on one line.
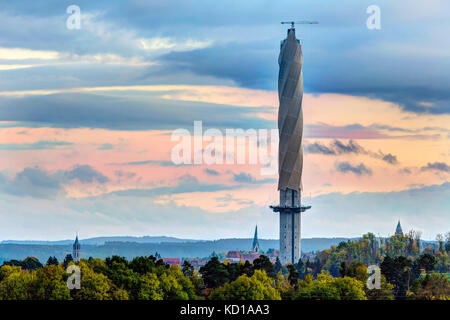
[(29, 263), (214, 273), (397, 272), (263, 263), (52, 261), (278, 266), (433, 286), (188, 269), (328, 288), (293, 275), (257, 287), (338, 273), (67, 260)]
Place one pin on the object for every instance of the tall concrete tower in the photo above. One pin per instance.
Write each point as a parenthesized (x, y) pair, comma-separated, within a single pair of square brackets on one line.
[(290, 157)]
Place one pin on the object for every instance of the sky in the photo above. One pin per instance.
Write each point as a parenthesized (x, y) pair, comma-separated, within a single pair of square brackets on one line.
[(87, 116)]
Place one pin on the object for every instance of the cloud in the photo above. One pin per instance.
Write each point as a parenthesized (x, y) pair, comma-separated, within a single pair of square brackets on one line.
[(85, 174), (39, 183), (184, 184), (338, 148), (142, 113), (212, 172), (319, 148), (106, 146), (33, 182), (243, 177), (162, 163), (437, 166), (240, 44), (389, 158), (359, 170), (124, 175), (249, 179), (339, 214), (38, 145)]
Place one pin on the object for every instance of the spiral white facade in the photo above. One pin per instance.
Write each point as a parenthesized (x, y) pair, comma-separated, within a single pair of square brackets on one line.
[(290, 118), (290, 157)]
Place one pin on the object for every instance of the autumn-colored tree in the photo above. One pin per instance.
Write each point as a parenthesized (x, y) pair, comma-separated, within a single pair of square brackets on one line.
[(257, 287), (433, 286), (327, 287)]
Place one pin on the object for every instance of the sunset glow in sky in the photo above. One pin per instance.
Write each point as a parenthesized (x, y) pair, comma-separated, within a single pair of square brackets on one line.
[(86, 117)]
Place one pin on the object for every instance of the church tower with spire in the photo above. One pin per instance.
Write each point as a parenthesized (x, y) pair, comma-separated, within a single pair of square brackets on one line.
[(398, 230), (255, 245), (76, 250)]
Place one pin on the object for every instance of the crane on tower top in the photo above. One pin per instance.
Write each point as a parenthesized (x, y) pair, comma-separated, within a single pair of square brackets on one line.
[(292, 23)]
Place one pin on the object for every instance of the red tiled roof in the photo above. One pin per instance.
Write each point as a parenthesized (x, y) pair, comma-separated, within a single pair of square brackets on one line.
[(172, 260), (233, 254)]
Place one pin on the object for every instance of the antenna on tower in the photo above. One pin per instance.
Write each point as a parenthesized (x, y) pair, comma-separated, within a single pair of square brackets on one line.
[(292, 23)]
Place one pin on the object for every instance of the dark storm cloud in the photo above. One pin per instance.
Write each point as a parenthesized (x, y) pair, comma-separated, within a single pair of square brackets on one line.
[(143, 113), (436, 166), (234, 61), (346, 167), (405, 62), (335, 148), (338, 147), (39, 183)]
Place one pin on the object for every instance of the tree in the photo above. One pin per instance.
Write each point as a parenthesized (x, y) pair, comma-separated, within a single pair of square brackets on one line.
[(432, 286), (278, 266), (343, 269), (150, 288), (263, 263), (234, 270), (188, 269), (52, 261), (328, 288), (214, 273), (51, 283), (384, 293), (257, 287), (397, 272), (425, 262), (293, 275), (94, 286), (67, 260), (142, 265), (447, 241), (17, 285), (120, 273), (440, 239)]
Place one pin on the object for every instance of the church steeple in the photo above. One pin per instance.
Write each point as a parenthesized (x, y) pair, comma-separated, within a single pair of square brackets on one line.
[(76, 250), (398, 230), (255, 246)]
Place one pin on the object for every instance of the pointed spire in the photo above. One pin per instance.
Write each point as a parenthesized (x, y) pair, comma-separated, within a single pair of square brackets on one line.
[(398, 230), (255, 246)]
